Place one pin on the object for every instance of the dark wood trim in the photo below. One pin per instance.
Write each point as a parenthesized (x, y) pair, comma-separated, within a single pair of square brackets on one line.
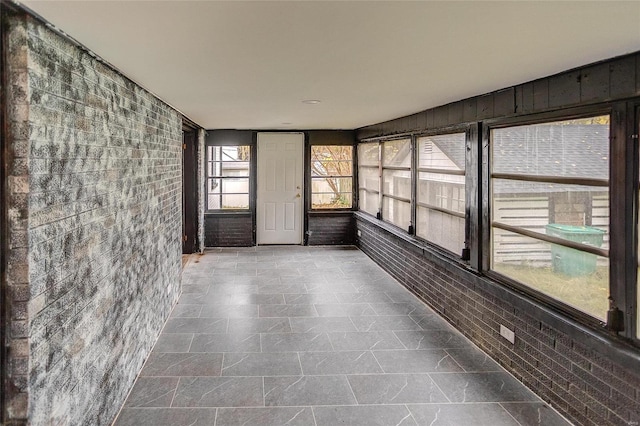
[(483, 168), (189, 192), (633, 291), (472, 200), (253, 188), (307, 188)]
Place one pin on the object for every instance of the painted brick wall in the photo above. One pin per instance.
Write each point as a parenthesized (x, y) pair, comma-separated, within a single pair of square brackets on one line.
[(228, 230), (95, 225), (331, 229), (587, 386)]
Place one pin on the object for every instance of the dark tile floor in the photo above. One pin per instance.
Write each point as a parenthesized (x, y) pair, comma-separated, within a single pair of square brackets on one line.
[(316, 336)]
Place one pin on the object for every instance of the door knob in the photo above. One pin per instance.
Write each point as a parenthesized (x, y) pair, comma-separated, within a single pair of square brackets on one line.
[(298, 196)]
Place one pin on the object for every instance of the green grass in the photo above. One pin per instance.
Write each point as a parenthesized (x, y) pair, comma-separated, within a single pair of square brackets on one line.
[(587, 293)]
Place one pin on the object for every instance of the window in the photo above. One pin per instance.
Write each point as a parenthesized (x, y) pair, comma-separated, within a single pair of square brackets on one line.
[(440, 200), (369, 177), (228, 177), (396, 182), (331, 176), (549, 188)]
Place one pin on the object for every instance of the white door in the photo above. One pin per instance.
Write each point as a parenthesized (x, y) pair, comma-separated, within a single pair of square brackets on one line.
[(280, 180)]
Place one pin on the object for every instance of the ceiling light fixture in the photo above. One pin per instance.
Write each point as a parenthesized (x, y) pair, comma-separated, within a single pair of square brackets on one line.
[(311, 101)]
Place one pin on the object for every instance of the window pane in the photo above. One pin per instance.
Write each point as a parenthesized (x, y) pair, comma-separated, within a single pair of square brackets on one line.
[(368, 202), (576, 278), (442, 152), (397, 212), (330, 193), (397, 183), (332, 201), (576, 148), (368, 154), (240, 168), (229, 202), (442, 190), (440, 228), (228, 193), (331, 168), (573, 212), (228, 170), (397, 153), (369, 179)]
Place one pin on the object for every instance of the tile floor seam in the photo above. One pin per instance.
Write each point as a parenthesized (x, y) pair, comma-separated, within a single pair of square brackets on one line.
[(509, 413), (351, 389), (438, 386), (377, 362), (175, 391), (456, 361), (313, 414), (215, 418)]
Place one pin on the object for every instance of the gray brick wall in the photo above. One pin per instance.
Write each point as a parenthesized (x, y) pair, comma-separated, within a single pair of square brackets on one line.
[(95, 225), (587, 386)]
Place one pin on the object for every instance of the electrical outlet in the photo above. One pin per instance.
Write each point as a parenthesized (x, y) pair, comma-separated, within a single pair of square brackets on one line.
[(359, 233), (510, 335)]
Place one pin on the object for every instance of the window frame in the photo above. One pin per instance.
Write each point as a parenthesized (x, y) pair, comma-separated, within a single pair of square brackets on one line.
[(470, 185), (411, 200), (250, 177), (618, 197), (357, 178), (353, 176)]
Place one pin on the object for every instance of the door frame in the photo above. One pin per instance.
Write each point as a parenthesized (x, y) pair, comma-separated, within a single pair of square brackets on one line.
[(303, 190), (190, 187)]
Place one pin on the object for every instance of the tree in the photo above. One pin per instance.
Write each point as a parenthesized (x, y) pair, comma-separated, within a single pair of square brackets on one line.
[(332, 162)]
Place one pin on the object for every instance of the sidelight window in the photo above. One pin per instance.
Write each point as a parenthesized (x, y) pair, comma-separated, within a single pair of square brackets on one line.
[(331, 176), (228, 169)]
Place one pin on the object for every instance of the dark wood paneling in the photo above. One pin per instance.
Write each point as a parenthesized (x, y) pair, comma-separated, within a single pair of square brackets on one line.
[(620, 71), (441, 116), (485, 106), (564, 89), (229, 137), (430, 118), (331, 137), (470, 110), (504, 102), (228, 230), (524, 99), (331, 229), (456, 113), (540, 95), (594, 83), (422, 120), (614, 79)]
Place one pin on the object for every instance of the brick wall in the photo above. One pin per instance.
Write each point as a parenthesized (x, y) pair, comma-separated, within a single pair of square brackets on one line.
[(94, 227), (228, 230), (589, 381), (331, 229)]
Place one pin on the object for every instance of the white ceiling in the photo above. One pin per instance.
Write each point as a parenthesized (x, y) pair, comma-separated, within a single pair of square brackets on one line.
[(248, 65)]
